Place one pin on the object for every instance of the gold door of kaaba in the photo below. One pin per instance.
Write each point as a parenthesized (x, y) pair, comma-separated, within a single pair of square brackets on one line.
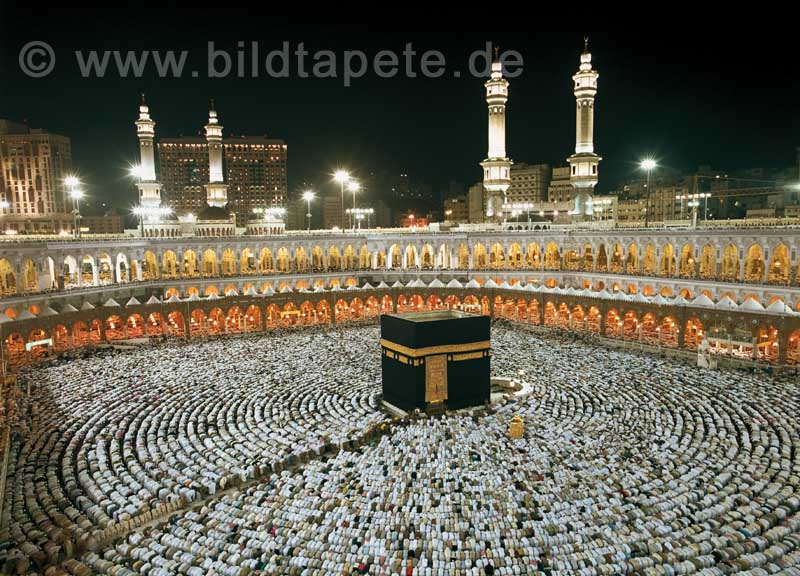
[(436, 378)]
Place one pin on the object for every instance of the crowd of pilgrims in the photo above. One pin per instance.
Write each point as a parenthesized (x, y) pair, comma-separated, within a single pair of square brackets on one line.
[(630, 464)]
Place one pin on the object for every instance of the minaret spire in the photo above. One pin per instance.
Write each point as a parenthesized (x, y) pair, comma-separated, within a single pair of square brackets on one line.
[(584, 163), (216, 189), (496, 167), (149, 188)]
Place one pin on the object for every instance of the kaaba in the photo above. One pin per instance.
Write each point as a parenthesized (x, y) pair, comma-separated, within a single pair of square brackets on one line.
[(435, 360)]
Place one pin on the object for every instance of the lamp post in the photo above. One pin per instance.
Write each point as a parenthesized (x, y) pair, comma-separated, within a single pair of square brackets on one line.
[(75, 193), (648, 165), (342, 177), (353, 187), (308, 196)]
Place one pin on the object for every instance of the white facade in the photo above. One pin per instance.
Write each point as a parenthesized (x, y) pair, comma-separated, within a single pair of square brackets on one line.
[(584, 163), (496, 167)]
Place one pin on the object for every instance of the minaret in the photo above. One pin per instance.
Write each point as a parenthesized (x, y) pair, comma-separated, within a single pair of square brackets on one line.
[(496, 167), (216, 189), (583, 173), (149, 188)]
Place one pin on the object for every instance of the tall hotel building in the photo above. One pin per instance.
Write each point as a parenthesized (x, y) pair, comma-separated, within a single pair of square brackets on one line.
[(255, 171), (33, 165)]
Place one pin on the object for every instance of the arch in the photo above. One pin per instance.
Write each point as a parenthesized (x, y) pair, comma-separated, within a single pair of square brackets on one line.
[(550, 314), (427, 259), (793, 349), (693, 333), (708, 262), (30, 276), (411, 259), (632, 259), (729, 267), (334, 258), (356, 310), (350, 260), (578, 318), (283, 263), (668, 332), (630, 325), (552, 257), (211, 290), (69, 272), (587, 260), (533, 257), (169, 265), (340, 311), (266, 263), (155, 324), (380, 260), (149, 267), (572, 260), (780, 268), (372, 307), (198, 323), (273, 316), (190, 267), (649, 260), (754, 264), (80, 334), (364, 258), (40, 350), (602, 259), (593, 320), (323, 312), (614, 324), (479, 258), (170, 292), (463, 257), (686, 293), (247, 262), (416, 303), (115, 328), (317, 259), (649, 331), (301, 263), (615, 265), (666, 266), (176, 327), (444, 259), (396, 259), (61, 338), (234, 320), (514, 259), (564, 317), (434, 302), (216, 322), (387, 306), (687, 264), (209, 266), (252, 319), (290, 315), (135, 326), (497, 257), (14, 350), (308, 314), (767, 343), (228, 265), (122, 269)]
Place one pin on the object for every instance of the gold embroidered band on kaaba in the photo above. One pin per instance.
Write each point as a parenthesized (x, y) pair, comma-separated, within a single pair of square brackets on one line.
[(445, 349)]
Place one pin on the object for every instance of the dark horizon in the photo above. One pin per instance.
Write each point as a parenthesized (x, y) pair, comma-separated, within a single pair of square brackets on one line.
[(688, 92)]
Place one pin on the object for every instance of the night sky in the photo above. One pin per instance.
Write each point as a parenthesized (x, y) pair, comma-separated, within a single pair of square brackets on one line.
[(686, 88)]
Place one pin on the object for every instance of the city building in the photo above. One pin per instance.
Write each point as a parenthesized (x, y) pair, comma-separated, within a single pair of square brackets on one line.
[(33, 166), (254, 169), (584, 162), (560, 188), (109, 223), (475, 203), (529, 183), (456, 209)]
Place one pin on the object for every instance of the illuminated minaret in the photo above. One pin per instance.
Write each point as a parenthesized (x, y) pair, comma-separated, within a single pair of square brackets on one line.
[(583, 173), (216, 189), (149, 188), (496, 167)]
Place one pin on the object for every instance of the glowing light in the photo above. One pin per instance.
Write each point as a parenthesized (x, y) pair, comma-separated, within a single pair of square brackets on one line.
[(72, 181), (353, 186), (648, 164), (308, 195), (136, 171), (341, 176)]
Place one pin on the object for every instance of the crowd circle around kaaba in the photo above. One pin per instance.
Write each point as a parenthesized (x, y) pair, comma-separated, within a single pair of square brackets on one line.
[(270, 454)]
